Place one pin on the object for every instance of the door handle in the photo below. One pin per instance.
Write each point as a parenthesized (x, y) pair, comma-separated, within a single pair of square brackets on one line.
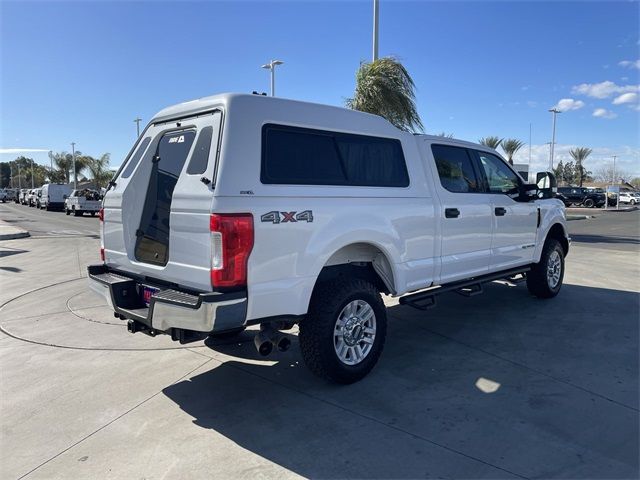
[(500, 211), (451, 212)]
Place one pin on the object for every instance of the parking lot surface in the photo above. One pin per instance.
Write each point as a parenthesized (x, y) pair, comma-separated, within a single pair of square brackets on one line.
[(501, 385)]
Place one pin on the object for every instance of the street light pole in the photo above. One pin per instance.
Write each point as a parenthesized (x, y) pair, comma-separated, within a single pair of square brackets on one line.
[(376, 17), (272, 67), (73, 156), (554, 111), (137, 121), (32, 173)]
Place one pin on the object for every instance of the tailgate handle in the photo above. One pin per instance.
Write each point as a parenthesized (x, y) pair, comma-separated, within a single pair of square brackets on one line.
[(451, 212)]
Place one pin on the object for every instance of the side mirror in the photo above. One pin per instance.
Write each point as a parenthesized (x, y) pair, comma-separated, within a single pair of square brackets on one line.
[(546, 184), (64, 197)]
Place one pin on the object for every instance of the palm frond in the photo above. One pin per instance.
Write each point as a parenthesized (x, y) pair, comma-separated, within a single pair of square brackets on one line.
[(491, 142), (385, 88), (510, 147)]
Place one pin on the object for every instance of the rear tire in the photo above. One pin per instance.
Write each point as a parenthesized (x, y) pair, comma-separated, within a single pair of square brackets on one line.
[(347, 316), (589, 203), (544, 280), (77, 213), (66, 211)]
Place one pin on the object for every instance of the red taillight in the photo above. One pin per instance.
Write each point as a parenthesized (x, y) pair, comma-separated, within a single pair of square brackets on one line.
[(231, 245), (101, 214), (102, 254)]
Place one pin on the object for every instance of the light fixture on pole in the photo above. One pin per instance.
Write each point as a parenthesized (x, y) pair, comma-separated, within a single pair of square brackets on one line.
[(554, 111), (376, 17), (73, 156), (137, 122), (272, 67)]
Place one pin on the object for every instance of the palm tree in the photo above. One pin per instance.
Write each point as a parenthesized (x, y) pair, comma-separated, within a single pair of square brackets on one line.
[(64, 163), (510, 147), (385, 88), (99, 168), (580, 154), (445, 135), (491, 142)]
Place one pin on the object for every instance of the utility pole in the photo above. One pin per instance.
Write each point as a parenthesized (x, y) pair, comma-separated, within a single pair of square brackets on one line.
[(32, 173), (73, 156), (11, 174), (272, 67), (554, 111), (51, 162), (137, 122), (529, 145), (376, 18), (19, 177)]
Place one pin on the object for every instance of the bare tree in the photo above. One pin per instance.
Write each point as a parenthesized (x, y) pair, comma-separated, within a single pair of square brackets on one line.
[(605, 173)]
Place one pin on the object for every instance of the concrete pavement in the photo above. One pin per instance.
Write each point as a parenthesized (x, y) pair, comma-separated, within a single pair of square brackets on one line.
[(501, 385), (11, 232)]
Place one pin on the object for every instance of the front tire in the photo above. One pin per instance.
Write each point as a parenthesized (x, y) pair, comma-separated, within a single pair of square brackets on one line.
[(343, 334), (544, 280)]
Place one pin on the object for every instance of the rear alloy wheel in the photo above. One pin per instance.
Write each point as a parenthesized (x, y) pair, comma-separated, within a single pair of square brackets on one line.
[(589, 203), (544, 280), (342, 336)]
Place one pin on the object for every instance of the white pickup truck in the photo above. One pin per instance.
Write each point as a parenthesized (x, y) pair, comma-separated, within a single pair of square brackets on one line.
[(81, 201), (238, 210)]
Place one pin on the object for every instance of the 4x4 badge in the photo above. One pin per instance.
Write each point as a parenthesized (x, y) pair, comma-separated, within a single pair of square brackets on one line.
[(285, 217)]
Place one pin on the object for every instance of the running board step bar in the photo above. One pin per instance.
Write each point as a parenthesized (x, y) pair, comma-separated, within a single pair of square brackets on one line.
[(426, 299)]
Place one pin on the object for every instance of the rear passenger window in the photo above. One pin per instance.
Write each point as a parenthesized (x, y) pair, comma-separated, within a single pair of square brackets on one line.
[(300, 156), (455, 169), (136, 158)]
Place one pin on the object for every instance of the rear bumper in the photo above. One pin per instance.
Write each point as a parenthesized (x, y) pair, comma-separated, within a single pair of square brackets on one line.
[(170, 310)]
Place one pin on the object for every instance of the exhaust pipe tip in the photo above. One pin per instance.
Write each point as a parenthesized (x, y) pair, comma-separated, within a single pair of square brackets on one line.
[(263, 344), (283, 344)]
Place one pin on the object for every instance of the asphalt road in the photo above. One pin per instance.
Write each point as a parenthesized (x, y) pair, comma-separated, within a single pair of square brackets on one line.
[(42, 223), (501, 385)]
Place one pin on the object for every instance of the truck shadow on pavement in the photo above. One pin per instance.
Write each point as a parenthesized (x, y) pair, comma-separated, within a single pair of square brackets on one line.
[(498, 386)]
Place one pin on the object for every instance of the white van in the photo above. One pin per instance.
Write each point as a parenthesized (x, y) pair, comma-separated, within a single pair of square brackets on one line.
[(53, 196), (239, 210)]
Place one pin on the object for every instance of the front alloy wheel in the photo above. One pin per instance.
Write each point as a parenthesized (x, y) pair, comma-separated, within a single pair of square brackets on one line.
[(545, 277)]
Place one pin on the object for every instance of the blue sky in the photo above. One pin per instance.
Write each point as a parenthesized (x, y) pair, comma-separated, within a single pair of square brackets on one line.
[(82, 71)]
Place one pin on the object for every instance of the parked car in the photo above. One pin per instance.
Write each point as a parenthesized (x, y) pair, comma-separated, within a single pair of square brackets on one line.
[(11, 194), (83, 201), (302, 213), (24, 193), (630, 198), (3, 195), (32, 197), (53, 196), (581, 196)]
